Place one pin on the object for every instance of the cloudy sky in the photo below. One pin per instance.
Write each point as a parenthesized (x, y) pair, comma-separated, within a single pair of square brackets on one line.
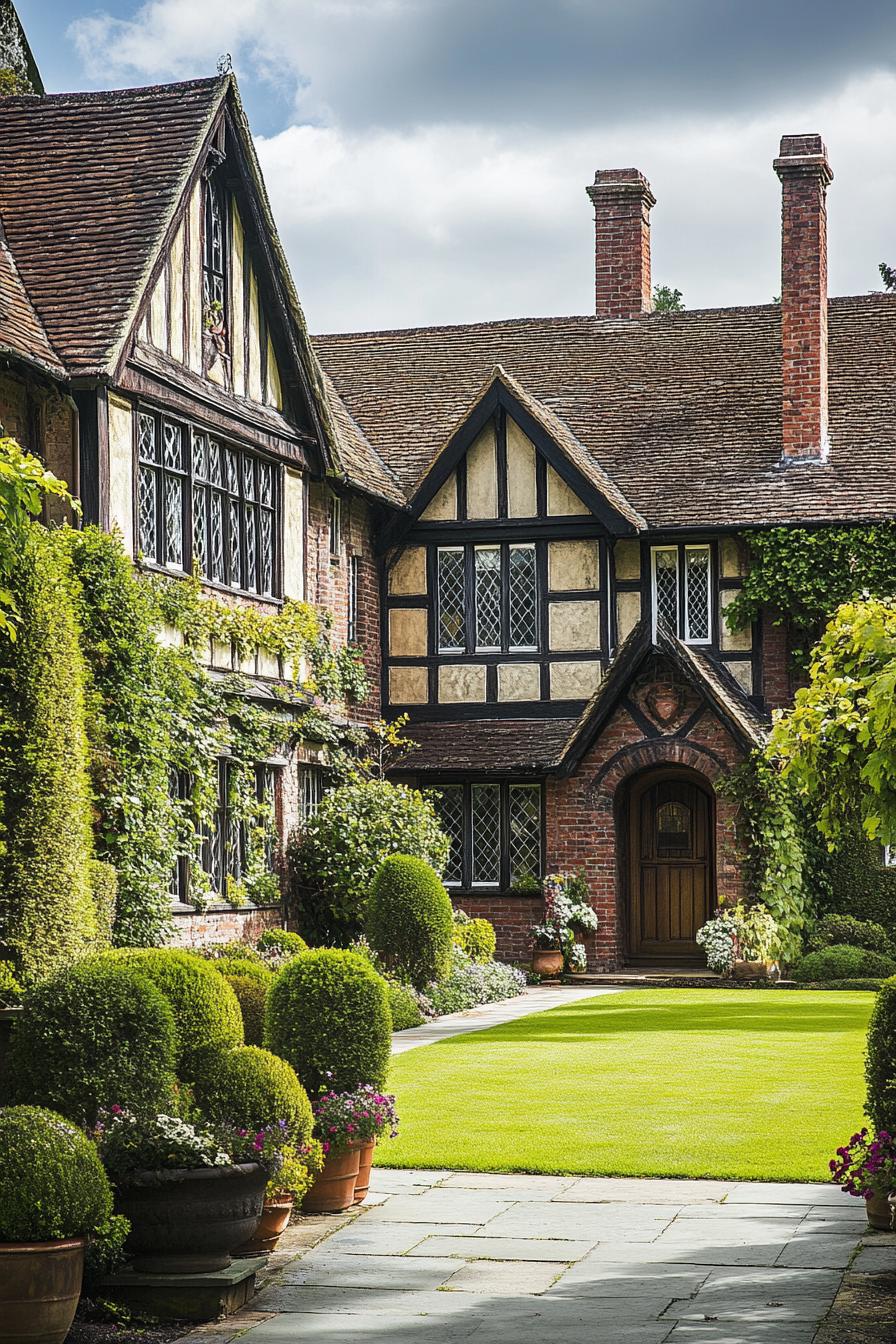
[(427, 159)]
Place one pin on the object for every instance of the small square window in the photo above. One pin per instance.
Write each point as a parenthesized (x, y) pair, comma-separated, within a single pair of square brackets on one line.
[(335, 522)]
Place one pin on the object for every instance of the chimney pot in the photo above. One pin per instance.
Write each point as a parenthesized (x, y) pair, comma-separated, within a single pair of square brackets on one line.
[(805, 173), (622, 202)]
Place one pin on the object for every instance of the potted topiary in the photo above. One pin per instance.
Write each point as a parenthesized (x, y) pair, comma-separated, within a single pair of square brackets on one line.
[(54, 1194), (190, 1200), (347, 1121), (866, 1168)]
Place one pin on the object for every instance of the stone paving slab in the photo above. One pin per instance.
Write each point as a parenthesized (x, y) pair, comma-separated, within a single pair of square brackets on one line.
[(535, 999), (512, 1260)]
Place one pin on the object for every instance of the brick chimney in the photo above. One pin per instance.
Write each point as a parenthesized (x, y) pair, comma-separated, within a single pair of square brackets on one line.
[(622, 200), (805, 174)]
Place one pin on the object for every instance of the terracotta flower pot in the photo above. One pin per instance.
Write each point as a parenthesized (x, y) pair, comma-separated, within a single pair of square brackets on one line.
[(547, 960), (879, 1211), (333, 1190), (40, 1283), (274, 1221), (756, 970), (365, 1162), (189, 1222)]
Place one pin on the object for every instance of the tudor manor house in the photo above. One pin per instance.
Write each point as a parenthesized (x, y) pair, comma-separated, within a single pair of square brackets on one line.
[(530, 527)]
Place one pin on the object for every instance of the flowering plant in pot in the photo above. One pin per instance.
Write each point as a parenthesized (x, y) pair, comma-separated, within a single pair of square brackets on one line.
[(54, 1197), (348, 1125), (291, 1166), (192, 1195), (866, 1167), (741, 940), (566, 908)]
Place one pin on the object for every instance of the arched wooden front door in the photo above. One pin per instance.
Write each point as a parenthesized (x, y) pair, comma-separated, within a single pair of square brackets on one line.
[(671, 871)]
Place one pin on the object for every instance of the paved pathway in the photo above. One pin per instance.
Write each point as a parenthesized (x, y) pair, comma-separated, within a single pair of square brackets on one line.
[(496, 1259), (534, 1000)]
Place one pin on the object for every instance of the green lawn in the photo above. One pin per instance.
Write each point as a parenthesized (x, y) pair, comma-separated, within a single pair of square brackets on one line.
[(753, 1084)]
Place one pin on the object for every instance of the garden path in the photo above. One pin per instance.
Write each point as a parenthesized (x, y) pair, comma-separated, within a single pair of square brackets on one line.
[(536, 999), (516, 1259)]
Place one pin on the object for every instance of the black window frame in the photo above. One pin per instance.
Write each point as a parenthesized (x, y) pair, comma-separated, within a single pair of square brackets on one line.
[(249, 496), (506, 877), (470, 615), (682, 624), (214, 277), (354, 596), (334, 525)]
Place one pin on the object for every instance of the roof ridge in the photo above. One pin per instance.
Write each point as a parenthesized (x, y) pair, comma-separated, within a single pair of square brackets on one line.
[(112, 95)]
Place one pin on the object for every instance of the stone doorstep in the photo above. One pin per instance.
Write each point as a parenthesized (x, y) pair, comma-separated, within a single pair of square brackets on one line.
[(185, 1297)]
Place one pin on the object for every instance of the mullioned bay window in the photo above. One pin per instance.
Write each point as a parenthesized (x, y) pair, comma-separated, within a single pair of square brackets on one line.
[(495, 830), (200, 497), (487, 598)]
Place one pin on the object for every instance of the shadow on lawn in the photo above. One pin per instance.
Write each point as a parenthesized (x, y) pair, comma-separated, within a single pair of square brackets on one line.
[(624, 1016)]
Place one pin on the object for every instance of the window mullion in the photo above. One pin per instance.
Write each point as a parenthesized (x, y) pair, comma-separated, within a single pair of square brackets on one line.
[(505, 598)]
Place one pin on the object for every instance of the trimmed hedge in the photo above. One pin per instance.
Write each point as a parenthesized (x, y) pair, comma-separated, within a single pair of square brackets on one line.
[(206, 1010), (52, 1183), (328, 1014), (404, 1007), (477, 938), (409, 921), (47, 917), (95, 1035), (843, 963), (104, 893), (243, 966), (252, 994), (281, 940), (252, 1088), (857, 883), (846, 930), (880, 1059), (872, 983)]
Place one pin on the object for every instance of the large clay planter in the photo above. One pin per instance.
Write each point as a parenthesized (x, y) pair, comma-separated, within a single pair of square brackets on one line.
[(190, 1222), (40, 1283), (547, 961), (365, 1162), (756, 970), (275, 1218), (879, 1212), (333, 1190)]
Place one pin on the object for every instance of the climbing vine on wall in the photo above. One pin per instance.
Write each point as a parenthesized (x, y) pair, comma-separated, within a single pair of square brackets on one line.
[(806, 574)]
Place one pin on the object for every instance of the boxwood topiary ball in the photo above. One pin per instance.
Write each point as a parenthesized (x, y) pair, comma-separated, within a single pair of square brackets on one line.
[(52, 1183), (281, 940), (409, 921), (328, 1014), (206, 1010), (96, 1034), (251, 1088), (841, 962), (252, 993)]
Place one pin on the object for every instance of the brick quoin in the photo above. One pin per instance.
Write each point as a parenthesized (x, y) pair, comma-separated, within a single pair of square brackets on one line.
[(582, 816), (805, 176), (622, 201)]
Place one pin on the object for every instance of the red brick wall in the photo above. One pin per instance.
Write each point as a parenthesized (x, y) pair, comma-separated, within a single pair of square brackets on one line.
[(581, 819), (328, 581), (622, 199), (805, 173), (224, 926), (776, 687)]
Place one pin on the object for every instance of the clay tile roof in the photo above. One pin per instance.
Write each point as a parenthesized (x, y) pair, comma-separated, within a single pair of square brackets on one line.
[(21, 331), (681, 411), (360, 461), (88, 182), (499, 746)]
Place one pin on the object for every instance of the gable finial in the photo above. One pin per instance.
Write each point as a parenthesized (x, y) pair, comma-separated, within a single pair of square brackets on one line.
[(225, 63)]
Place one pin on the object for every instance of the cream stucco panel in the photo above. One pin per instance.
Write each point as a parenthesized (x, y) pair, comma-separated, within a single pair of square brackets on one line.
[(573, 626), (222, 654), (739, 641), (742, 672), (562, 501), (407, 632), (121, 469), (176, 313), (293, 535), (573, 566), (519, 681), (574, 681), (628, 614), (732, 558), (408, 685), (194, 280), (482, 476), (275, 393), (462, 683), (268, 664), (407, 577), (158, 314), (237, 262), (522, 499), (254, 340), (627, 559), (443, 505)]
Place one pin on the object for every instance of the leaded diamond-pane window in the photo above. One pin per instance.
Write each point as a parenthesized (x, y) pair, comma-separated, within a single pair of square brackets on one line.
[(214, 250), (450, 807), (452, 603), (696, 594), (524, 810), (486, 833), (523, 598), (160, 489), (488, 597), (665, 587), (174, 522)]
